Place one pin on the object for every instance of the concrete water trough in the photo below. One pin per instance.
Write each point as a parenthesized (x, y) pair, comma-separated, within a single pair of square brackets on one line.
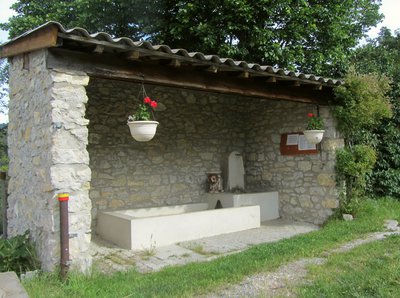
[(146, 228)]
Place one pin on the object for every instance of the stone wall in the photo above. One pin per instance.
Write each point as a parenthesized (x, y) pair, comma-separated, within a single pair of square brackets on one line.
[(47, 137), (306, 183), (197, 131)]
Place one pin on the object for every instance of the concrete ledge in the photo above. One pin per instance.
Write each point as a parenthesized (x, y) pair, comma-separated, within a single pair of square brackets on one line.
[(10, 287)]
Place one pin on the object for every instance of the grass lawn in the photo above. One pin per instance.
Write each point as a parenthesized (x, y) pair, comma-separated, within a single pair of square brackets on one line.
[(371, 270), (198, 278)]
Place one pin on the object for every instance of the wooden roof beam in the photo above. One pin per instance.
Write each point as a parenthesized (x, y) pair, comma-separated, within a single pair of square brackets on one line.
[(132, 55), (317, 87), (212, 68), (111, 67), (244, 75), (99, 49), (175, 63), (42, 38)]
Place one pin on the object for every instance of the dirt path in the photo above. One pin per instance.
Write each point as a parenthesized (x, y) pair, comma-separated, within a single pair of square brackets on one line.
[(280, 283)]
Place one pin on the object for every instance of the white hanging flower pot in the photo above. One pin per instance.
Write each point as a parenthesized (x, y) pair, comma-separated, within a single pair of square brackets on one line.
[(143, 131), (142, 128), (314, 136)]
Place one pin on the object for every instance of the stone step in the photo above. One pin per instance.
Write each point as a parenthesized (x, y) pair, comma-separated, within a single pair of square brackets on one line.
[(10, 287)]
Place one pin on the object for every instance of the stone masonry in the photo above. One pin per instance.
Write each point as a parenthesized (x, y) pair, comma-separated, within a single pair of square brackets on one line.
[(196, 133), (67, 134), (47, 138), (306, 183)]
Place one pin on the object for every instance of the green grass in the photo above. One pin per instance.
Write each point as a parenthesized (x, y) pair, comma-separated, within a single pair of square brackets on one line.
[(371, 270), (198, 278)]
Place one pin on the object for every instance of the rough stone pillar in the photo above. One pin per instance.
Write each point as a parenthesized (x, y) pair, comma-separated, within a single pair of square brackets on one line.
[(47, 137)]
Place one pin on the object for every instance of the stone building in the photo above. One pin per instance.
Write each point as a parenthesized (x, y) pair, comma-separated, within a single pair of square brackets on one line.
[(71, 93)]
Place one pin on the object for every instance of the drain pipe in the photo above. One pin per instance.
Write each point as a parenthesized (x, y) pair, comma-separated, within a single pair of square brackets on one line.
[(64, 235), (3, 178)]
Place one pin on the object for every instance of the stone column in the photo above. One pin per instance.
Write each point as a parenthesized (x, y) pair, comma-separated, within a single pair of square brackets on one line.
[(47, 137), (70, 172)]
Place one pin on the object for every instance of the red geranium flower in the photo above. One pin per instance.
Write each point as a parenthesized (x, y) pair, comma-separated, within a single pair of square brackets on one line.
[(310, 115), (153, 104), (147, 100)]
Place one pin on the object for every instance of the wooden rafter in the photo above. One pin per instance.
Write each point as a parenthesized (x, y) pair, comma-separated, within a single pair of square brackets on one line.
[(244, 74), (132, 55), (112, 67)]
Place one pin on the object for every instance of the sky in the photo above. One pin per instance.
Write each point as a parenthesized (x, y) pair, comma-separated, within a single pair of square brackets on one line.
[(390, 9)]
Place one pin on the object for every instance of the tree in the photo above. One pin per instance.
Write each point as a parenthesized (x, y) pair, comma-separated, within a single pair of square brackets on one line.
[(119, 18), (310, 36), (361, 106), (3, 85), (382, 56)]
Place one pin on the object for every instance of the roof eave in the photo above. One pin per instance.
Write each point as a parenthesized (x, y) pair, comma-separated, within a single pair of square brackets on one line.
[(52, 34), (40, 38)]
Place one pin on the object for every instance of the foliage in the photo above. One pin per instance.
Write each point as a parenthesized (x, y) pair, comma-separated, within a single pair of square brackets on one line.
[(352, 167), (145, 109), (3, 167), (386, 175), (17, 254), (362, 104), (3, 84), (3, 148), (310, 36), (198, 278), (120, 18), (382, 56), (314, 122)]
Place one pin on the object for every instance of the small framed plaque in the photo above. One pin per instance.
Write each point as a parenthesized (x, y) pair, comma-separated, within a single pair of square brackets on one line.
[(296, 144)]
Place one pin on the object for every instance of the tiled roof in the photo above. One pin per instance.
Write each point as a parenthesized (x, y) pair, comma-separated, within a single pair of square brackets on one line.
[(125, 44)]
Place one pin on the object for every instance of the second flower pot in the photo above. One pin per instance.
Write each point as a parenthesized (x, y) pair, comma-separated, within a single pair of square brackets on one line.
[(314, 137)]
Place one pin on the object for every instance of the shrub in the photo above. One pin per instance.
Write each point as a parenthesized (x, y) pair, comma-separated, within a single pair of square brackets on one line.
[(387, 182), (386, 175), (17, 254), (362, 104), (353, 164)]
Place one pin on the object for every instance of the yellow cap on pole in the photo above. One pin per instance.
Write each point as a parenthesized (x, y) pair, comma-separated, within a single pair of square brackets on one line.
[(63, 197)]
